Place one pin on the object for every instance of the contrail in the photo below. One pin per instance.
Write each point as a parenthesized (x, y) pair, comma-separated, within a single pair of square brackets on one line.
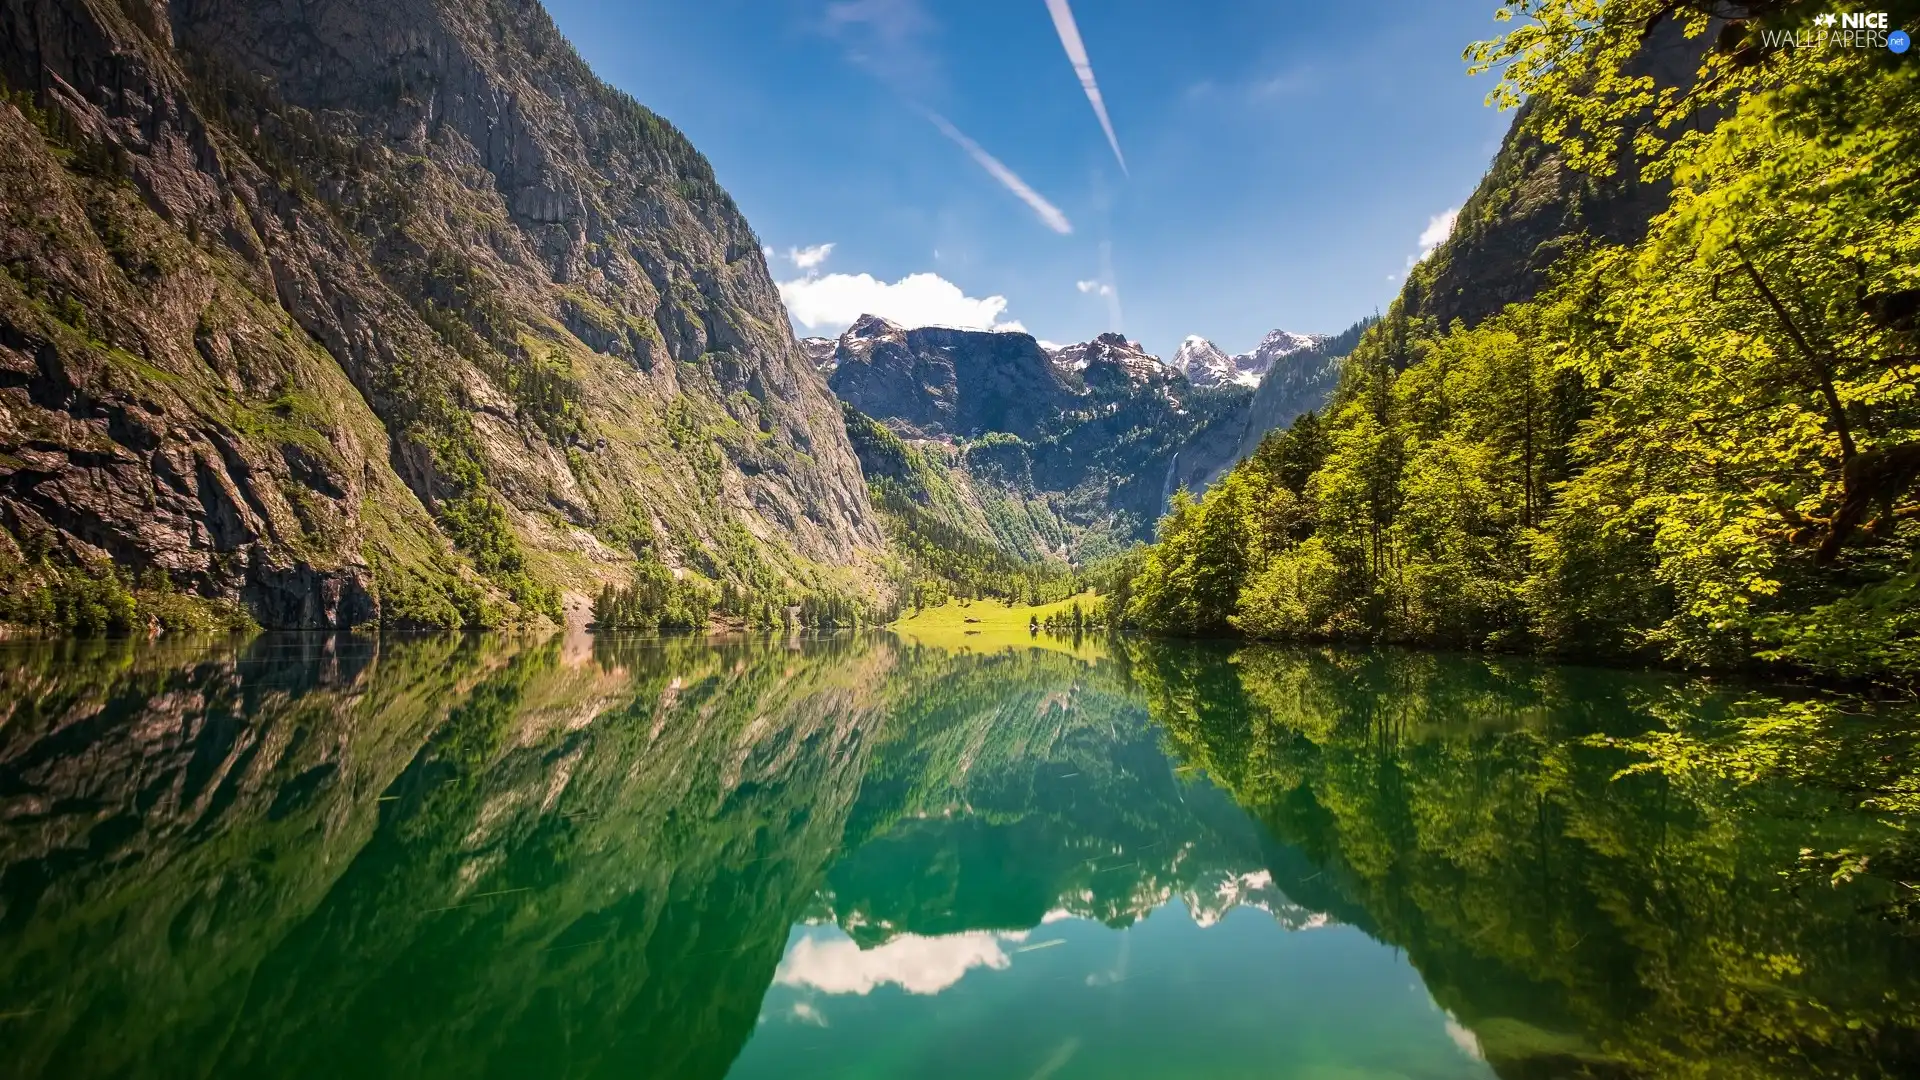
[(1049, 213), (1083, 67), (1115, 319)]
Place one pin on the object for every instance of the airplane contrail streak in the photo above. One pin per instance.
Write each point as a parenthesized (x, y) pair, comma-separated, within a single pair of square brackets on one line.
[(1083, 67), (1050, 214)]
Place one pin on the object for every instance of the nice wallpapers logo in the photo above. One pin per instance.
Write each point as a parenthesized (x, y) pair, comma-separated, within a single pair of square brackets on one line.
[(1844, 30)]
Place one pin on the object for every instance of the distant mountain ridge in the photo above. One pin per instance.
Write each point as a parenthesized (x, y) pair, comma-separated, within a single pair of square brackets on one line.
[(1205, 364), (1069, 448), (1302, 380), (1061, 450)]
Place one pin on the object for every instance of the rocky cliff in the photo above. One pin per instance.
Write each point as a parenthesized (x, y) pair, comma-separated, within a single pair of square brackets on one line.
[(1530, 208), (338, 311), (936, 381)]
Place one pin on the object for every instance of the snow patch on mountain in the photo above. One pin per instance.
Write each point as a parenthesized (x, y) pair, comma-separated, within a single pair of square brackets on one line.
[(1135, 363), (1206, 364)]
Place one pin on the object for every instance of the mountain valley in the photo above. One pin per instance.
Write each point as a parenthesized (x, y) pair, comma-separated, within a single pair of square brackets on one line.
[(1065, 453)]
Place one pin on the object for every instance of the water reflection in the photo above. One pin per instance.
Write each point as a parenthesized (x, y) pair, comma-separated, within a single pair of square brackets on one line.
[(857, 857)]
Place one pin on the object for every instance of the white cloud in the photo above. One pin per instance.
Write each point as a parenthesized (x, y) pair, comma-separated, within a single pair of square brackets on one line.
[(809, 258), (1466, 1040), (834, 964), (1049, 214), (1076, 49), (1095, 288), (1439, 227), (834, 301)]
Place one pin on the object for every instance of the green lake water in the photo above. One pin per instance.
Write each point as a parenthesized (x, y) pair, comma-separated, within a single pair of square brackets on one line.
[(858, 858)]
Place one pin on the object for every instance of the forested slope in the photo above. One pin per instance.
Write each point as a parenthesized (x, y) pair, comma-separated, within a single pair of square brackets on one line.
[(1697, 445)]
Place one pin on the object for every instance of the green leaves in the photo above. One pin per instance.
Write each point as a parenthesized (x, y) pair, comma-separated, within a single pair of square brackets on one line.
[(1703, 449)]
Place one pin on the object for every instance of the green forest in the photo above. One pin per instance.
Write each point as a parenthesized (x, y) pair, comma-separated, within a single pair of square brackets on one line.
[(1697, 450)]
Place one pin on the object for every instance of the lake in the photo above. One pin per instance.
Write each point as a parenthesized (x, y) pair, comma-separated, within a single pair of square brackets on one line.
[(861, 857)]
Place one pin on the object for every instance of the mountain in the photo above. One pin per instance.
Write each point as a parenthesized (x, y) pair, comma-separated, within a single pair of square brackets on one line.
[(1112, 358), (1275, 347), (936, 381), (1069, 451), (380, 312), (1290, 373), (820, 350), (1204, 364), (1301, 380), (1530, 206)]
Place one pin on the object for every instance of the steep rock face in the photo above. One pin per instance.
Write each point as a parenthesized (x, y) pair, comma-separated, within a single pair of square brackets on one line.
[(352, 310), (1530, 207), (820, 350), (936, 381)]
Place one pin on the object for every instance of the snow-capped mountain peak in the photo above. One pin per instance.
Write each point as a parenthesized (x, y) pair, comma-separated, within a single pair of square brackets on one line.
[(1279, 343), (1203, 363), (1251, 367), (1109, 350)]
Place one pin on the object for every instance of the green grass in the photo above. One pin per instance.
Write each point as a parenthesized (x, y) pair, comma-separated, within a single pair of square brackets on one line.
[(994, 625)]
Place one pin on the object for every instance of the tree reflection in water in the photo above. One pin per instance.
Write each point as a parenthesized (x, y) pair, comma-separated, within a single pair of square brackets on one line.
[(473, 857)]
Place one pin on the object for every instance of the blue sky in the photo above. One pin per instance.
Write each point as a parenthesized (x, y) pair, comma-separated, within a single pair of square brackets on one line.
[(1284, 159)]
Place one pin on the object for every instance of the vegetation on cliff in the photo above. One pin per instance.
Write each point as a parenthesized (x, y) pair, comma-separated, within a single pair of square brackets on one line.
[(430, 332)]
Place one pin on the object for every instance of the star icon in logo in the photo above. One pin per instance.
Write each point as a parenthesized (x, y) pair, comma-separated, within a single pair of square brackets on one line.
[(1827, 19)]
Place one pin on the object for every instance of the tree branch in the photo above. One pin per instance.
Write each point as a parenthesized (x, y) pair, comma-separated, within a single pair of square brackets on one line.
[(1822, 370)]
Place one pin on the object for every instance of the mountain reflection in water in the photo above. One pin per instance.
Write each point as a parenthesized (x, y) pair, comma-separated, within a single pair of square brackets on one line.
[(853, 857)]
